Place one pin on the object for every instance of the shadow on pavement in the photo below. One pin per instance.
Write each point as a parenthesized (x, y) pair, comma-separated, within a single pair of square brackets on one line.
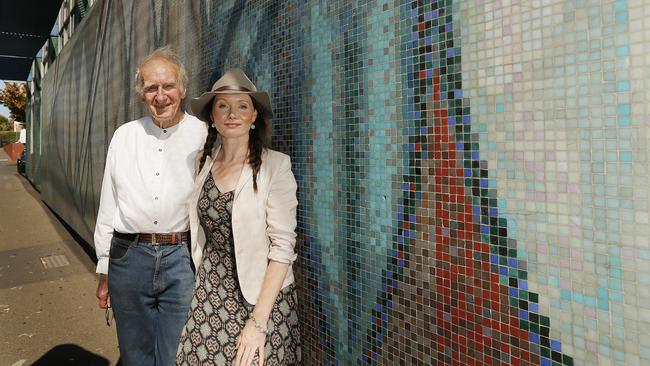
[(71, 354)]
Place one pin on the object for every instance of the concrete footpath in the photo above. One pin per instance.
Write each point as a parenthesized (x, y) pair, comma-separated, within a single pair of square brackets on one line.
[(48, 309)]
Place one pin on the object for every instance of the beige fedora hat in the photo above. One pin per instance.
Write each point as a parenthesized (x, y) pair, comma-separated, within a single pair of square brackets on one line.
[(233, 81)]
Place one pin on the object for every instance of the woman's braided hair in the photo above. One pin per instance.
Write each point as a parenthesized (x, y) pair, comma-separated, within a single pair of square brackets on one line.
[(257, 142), (210, 139)]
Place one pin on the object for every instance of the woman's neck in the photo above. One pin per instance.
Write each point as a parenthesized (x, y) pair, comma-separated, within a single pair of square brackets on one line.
[(233, 149)]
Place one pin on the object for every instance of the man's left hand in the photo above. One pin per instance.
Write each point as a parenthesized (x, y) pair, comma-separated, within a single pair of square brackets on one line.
[(102, 292)]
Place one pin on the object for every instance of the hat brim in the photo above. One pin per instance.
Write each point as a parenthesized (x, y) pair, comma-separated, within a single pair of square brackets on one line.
[(201, 105)]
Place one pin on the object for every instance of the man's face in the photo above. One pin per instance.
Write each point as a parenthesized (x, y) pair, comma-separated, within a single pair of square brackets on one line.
[(162, 93)]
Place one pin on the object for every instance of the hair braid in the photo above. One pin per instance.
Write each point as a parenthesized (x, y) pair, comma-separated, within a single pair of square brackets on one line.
[(255, 148), (209, 145), (256, 144)]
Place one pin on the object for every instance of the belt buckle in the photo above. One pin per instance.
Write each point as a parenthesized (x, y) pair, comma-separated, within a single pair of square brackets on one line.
[(154, 242)]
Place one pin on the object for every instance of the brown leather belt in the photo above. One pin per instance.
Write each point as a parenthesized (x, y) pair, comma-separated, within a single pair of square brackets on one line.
[(155, 238)]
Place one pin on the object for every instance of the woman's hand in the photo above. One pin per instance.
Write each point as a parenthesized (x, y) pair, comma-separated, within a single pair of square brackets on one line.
[(251, 341), (253, 337)]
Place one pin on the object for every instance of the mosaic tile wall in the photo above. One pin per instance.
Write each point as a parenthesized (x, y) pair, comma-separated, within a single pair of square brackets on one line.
[(473, 179)]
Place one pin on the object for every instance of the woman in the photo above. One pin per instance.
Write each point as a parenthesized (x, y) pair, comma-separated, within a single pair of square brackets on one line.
[(243, 219)]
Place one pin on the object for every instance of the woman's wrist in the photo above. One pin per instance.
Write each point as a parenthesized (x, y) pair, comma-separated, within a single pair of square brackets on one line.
[(258, 325)]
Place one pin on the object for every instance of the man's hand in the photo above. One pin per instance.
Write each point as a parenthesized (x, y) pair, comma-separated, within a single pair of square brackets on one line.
[(102, 292)]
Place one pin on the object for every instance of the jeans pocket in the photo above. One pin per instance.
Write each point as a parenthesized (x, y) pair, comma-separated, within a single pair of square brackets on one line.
[(186, 249), (119, 249)]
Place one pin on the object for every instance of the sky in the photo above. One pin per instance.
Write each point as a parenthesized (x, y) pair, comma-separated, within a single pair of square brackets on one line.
[(3, 110)]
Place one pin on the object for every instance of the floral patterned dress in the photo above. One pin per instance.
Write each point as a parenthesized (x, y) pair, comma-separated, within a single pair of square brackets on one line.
[(219, 311)]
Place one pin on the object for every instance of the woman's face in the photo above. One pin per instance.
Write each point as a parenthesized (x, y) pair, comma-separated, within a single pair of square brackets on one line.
[(233, 114)]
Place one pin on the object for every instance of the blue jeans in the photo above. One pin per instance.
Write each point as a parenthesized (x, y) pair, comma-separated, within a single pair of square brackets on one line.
[(151, 290)]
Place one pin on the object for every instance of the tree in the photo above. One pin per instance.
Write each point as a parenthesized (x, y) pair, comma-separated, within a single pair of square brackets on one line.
[(4, 124), (14, 97)]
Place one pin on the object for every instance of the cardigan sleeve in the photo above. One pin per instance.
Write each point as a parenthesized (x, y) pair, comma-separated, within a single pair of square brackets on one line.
[(281, 214)]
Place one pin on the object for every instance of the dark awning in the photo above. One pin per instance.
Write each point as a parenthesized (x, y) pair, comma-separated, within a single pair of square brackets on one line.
[(24, 28)]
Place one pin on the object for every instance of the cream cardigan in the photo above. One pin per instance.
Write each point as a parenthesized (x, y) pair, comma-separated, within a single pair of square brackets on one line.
[(263, 222)]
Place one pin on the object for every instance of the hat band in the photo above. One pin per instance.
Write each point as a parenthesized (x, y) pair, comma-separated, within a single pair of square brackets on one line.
[(233, 88)]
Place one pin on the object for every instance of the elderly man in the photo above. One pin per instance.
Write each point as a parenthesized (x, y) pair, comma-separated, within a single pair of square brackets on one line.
[(141, 236)]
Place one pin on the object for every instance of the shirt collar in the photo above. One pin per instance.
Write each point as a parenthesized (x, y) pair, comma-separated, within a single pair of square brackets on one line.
[(157, 131)]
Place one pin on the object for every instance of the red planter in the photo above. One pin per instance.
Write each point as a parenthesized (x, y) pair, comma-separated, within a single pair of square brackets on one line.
[(14, 150)]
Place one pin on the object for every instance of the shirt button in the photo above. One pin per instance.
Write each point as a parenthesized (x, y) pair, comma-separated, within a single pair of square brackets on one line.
[(157, 173), (156, 198), (155, 222), (165, 131), (160, 150)]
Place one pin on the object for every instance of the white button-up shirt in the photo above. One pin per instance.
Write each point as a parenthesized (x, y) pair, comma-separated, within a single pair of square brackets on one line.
[(148, 180)]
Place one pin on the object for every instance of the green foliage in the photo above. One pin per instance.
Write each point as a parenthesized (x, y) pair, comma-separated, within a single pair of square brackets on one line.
[(7, 137), (5, 125), (14, 96)]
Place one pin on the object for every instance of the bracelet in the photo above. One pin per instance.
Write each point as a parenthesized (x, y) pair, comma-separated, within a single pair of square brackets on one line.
[(258, 326)]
